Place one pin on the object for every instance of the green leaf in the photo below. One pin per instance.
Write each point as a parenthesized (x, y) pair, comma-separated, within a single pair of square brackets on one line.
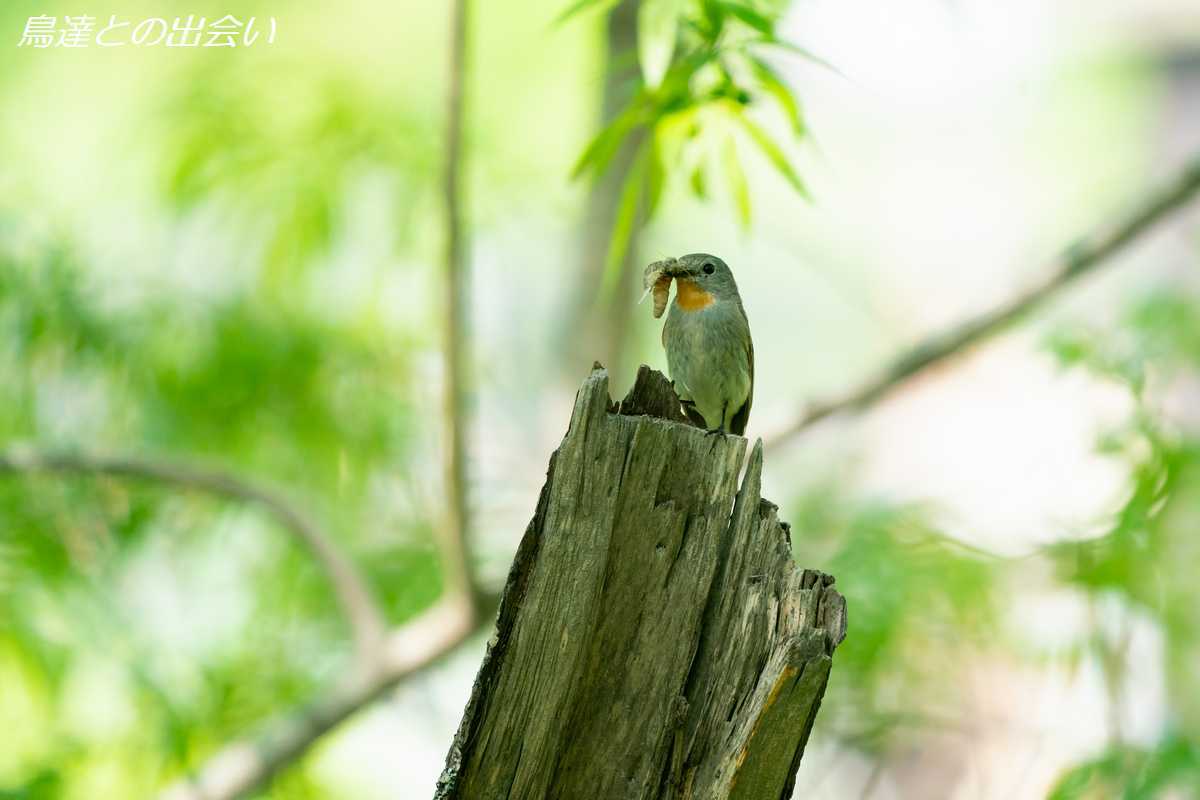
[(714, 19), (754, 19), (626, 220), (699, 182), (1071, 348), (1133, 773), (656, 174), (583, 5), (774, 85), (774, 154), (658, 24), (600, 151), (736, 178), (675, 94), (800, 51)]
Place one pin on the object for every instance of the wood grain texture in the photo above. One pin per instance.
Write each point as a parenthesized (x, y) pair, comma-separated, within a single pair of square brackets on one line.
[(655, 639)]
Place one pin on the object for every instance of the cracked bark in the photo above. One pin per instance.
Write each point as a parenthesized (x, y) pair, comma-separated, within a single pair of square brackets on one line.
[(655, 639)]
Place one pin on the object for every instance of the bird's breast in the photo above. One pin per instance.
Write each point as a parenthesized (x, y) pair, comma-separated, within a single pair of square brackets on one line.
[(690, 297)]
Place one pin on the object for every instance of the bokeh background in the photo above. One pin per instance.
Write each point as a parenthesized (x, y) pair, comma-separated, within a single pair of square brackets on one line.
[(235, 259)]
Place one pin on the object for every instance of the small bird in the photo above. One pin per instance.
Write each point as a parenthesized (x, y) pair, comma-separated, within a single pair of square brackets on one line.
[(707, 338)]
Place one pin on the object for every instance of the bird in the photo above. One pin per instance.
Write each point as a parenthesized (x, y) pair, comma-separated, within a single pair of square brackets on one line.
[(710, 355)]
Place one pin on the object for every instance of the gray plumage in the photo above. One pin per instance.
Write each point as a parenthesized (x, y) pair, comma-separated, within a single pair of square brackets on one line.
[(709, 351)]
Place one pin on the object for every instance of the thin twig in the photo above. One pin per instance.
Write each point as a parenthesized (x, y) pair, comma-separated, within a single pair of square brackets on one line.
[(358, 604), (456, 345), (1084, 257)]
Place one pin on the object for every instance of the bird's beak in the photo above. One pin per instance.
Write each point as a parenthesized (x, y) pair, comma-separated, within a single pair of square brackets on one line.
[(681, 270)]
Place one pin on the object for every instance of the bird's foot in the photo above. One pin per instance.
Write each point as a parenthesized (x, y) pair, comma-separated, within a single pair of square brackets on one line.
[(714, 432)]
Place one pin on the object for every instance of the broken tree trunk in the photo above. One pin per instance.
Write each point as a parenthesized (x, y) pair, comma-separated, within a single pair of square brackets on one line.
[(655, 639)]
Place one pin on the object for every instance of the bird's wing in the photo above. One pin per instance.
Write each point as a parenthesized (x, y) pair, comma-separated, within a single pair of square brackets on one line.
[(674, 362), (737, 424)]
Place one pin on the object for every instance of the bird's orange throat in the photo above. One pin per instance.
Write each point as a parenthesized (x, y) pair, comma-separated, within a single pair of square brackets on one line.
[(690, 297)]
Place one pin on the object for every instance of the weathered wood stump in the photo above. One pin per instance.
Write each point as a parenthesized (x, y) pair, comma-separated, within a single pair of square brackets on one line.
[(655, 639)]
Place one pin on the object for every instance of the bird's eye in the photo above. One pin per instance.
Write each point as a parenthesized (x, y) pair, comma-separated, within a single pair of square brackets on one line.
[(709, 269)]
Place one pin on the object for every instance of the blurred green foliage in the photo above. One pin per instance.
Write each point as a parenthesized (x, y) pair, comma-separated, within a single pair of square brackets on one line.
[(1147, 553), (916, 598), (1160, 340), (282, 161), (1135, 773), (702, 73), (269, 389), (923, 605), (144, 627)]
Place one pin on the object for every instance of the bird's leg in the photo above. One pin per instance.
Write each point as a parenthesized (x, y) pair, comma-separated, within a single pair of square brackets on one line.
[(721, 426)]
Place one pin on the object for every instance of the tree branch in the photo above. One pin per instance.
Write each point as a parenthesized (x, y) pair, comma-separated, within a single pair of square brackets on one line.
[(366, 620), (383, 657), (247, 765), (1080, 259), (243, 767)]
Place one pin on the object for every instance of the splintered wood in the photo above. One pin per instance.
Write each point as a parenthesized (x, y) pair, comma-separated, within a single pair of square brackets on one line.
[(655, 640)]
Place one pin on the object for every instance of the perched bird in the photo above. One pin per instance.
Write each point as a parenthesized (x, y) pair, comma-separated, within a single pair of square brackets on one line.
[(707, 338)]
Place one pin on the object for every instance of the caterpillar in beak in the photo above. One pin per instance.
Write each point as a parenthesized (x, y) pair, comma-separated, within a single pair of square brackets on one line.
[(657, 279)]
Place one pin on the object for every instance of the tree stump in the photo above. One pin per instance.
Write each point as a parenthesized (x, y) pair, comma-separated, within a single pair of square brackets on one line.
[(655, 639)]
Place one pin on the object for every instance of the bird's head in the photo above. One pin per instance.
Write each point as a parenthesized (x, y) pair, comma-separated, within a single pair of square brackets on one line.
[(701, 280)]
